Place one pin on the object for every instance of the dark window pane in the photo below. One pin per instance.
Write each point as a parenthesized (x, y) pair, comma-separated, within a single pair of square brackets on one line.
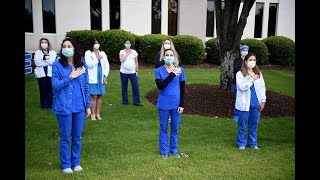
[(95, 11), (258, 20), (114, 14), (210, 18), (28, 20), (272, 22), (156, 17), (49, 16), (172, 17)]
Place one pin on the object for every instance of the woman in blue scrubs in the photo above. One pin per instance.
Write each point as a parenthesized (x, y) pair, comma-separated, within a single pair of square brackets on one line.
[(250, 101), (71, 102), (170, 80)]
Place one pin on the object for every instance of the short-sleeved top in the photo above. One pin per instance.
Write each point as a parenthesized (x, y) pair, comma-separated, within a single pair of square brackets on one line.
[(129, 65), (169, 97)]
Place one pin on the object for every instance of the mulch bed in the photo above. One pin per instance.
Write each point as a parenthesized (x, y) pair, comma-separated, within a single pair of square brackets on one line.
[(211, 101)]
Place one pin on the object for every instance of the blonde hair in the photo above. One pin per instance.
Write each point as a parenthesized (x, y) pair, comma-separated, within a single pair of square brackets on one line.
[(49, 44), (176, 60)]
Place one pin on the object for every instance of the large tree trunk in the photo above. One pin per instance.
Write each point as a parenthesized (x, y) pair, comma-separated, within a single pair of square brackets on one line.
[(229, 31), (226, 69)]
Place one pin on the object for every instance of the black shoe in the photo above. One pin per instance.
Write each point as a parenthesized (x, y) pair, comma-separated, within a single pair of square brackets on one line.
[(138, 104)]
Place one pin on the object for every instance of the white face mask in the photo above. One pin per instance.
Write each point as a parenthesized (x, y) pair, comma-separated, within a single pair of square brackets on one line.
[(251, 64), (44, 45), (167, 46), (96, 46)]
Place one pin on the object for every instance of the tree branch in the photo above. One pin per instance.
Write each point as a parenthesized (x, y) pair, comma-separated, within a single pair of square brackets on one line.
[(242, 22), (234, 20), (218, 9), (226, 20)]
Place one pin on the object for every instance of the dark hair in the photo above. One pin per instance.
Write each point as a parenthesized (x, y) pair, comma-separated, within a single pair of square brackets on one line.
[(92, 42), (126, 40), (78, 54), (168, 50), (244, 68)]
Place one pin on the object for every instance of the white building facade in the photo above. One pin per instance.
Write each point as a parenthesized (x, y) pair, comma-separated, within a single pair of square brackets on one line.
[(53, 18)]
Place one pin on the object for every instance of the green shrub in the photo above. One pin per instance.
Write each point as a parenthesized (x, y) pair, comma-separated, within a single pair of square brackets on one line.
[(190, 48), (150, 45), (258, 48), (111, 41), (281, 50), (213, 51), (83, 37)]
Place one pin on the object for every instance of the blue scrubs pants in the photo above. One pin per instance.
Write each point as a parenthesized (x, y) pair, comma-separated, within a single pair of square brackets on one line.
[(70, 127), (174, 131), (135, 88), (46, 97), (248, 118)]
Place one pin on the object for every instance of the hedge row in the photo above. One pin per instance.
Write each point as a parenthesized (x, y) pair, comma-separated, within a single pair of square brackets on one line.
[(275, 49), (278, 50)]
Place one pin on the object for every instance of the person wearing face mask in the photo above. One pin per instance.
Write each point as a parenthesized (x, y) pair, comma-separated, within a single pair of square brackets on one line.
[(43, 59), (98, 70), (70, 84), (129, 69), (159, 59), (236, 67), (250, 101), (170, 80)]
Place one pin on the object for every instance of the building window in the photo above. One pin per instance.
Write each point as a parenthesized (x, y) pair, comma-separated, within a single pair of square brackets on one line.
[(156, 17), (258, 20), (114, 14), (28, 20), (172, 17), (272, 23), (49, 16), (210, 18), (95, 10)]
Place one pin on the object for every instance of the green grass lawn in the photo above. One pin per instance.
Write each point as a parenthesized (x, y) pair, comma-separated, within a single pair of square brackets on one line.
[(125, 144)]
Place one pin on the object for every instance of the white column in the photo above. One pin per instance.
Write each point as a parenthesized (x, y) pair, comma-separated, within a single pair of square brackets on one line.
[(265, 20), (164, 17), (105, 13)]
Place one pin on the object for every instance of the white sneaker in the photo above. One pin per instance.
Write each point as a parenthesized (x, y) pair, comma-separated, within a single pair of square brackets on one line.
[(78, 168), (67, 170), (241, 147)]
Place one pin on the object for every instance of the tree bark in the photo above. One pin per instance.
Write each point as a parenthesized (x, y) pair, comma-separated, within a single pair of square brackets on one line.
[(229, 32), (226, 69)]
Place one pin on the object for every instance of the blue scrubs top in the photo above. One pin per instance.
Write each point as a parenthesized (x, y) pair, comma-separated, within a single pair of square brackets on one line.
[(169, 97), (254, 102)]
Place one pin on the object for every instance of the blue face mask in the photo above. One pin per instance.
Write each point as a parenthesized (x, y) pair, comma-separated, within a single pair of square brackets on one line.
[(244, 53), (127, 45), (168, 60), (67, 52)]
